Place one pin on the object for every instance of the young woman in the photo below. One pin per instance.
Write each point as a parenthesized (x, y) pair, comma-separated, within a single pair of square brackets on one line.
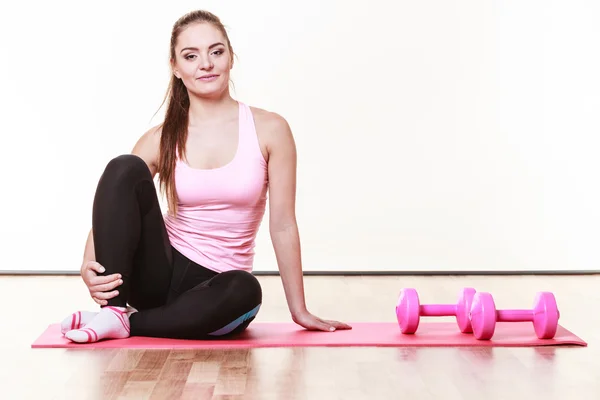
[(187, 274)]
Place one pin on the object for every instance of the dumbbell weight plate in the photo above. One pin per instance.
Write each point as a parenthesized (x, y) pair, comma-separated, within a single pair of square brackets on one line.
[(407, 310), (465, 300), (483, 316), (545, 315)]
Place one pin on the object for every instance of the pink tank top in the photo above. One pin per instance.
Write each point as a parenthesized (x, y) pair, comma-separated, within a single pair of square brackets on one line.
[(221, 209)]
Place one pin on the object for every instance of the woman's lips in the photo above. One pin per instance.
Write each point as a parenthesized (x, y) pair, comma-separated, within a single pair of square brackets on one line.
[(208, 78)]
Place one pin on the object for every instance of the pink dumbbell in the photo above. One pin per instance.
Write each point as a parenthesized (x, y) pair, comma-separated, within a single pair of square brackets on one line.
[(409, 310), (544, 315)]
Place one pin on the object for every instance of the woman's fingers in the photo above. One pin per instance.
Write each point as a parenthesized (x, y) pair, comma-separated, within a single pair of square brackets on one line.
[(100, 280), (94, 265), (323, 326), (105, 295), (99, 302), (338, 325), (106, 286)]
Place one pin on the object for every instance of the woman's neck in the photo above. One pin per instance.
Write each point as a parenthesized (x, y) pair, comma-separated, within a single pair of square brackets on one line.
[(203, 110)]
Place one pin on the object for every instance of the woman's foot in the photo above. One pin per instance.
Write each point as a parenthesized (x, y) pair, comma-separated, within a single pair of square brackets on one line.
[(110, 323), (77, 320)]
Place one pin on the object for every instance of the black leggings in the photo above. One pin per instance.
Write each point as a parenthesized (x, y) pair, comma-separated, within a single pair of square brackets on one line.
[(175, 297)]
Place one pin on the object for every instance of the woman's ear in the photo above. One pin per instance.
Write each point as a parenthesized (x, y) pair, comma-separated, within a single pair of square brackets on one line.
[(174, 71)]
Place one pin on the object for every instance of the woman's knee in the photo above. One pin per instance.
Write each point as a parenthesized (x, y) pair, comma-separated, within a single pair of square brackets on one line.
[(126, 167), (244, 298), (244, 286)]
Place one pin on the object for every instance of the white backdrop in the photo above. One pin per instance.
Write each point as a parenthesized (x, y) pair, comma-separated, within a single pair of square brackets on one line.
[(432, 136)]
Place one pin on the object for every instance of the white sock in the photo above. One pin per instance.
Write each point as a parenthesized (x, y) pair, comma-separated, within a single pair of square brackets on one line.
[(109, 323), (77, 320)]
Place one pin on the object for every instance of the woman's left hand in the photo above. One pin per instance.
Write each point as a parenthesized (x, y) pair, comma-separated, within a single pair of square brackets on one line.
[(313, 323)]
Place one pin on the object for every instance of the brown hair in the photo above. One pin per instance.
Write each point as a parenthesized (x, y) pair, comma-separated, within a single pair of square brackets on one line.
[(174, 127)]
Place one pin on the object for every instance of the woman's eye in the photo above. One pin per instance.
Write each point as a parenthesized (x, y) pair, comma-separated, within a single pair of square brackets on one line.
[(190, 56)]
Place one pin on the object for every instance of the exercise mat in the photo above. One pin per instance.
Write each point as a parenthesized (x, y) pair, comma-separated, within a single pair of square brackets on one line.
[(380, 334)]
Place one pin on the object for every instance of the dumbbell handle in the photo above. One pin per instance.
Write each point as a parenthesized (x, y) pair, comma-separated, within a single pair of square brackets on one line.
[(437, 310), (514, 315)]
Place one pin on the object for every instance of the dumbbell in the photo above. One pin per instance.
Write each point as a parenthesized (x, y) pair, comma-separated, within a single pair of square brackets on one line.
[(409, 310), (544, 315)]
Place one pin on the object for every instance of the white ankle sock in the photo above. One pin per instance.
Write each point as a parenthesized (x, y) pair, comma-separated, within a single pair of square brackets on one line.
[(77, 320), (109, 323)]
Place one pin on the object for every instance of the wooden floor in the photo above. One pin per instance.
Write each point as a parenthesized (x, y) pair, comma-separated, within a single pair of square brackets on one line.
[(29, 304)]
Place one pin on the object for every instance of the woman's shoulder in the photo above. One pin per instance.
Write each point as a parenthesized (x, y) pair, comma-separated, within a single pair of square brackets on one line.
[(150, 140), (273, 131), (154, 133), (269, 122), (148, 147)]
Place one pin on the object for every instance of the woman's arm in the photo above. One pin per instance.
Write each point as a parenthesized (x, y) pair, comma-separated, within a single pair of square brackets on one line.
[(282, 205), (283, 226), (89, 253)]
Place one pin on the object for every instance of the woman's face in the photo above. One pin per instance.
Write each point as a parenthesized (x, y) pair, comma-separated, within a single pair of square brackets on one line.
[(202, 60)]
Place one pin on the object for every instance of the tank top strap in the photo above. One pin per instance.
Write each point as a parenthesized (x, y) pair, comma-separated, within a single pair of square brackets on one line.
[(249, 144)]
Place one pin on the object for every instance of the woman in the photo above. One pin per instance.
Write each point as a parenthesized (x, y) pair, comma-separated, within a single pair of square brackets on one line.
[(187, 274)]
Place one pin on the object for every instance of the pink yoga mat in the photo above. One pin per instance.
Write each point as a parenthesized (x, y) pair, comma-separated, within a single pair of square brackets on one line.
[(436, 334)]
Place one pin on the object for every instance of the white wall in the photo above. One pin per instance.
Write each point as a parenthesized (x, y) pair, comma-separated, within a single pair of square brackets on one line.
[(431, 135)]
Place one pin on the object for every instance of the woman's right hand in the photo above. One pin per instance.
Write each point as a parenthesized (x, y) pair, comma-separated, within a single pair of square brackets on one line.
[(101, 288)]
